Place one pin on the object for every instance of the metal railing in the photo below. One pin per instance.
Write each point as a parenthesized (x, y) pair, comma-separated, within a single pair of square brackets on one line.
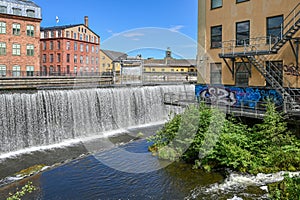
[(291, 19), (254, 45), (263, 44), (16, 74)]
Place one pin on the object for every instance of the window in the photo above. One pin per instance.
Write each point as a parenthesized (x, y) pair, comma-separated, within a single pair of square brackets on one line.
[(68, 45), (242, 74), (92, 60), (17, 11), (215, 73), (75, 58), (87, 38), (16, 29), (51, 70), (51, 58), (44, 70), (68, 58), (216, 36), (87, 60), (93, 49), (51, 34), (58, 57), (16, 70), (16, 49), (30, 30), (58, 33), (3, 9), (75, 69), (274, 28), (75, 46), (29, 70), (242, 33), (44, 45), (81, 47), (42, 34), (2, 70), (51, 45), (2, 27), (67, 34), (97, 60), (44, 58), (96, 49), (80, 36), (92, 39), (30, 13), (58, 45), (182, 70), (87, 48), (216, 4), (30, 50), (153, 70), (86, 69), (81, 59), (75, 36), (2, 48), (240, 1)]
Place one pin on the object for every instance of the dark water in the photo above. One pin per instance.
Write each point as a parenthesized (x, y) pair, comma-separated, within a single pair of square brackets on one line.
[(122, 168), (88, 178)]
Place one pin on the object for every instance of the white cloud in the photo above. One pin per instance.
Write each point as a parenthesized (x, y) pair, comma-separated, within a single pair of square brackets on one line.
[(176, 28), (133, 34)]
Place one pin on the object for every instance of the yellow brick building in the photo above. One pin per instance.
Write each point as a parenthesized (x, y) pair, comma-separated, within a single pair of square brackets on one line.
[(110, 61), (169, 65), (249, 42)]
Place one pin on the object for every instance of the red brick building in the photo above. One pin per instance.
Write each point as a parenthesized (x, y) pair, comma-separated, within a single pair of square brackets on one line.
[(69, 50), (19, 38)]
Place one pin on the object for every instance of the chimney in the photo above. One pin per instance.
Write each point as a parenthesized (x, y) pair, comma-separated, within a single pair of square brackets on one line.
[(86, 21)]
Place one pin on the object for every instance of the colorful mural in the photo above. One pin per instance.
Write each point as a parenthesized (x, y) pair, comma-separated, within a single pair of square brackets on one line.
[(237, 96)]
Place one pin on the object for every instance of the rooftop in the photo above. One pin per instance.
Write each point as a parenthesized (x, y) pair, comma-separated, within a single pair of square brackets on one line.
[(115, 55), (24, 6)]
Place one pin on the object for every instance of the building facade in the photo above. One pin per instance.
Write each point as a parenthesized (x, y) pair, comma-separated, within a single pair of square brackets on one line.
[(170, 65), (19, 38), (69, 50), (249, 48), (110, 61), (231, 31)]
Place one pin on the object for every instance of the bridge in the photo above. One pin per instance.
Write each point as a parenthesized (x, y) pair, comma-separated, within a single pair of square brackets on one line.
[(243, 108)]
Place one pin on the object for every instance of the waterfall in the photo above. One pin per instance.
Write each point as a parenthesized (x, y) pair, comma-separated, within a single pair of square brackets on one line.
[(52, 116)]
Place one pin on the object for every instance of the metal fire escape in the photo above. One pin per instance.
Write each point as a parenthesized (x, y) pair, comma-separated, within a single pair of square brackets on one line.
[(255, 51)]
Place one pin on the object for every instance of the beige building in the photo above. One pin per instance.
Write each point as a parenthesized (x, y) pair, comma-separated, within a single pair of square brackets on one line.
[(170, 65), (110, 61), (251, 43)]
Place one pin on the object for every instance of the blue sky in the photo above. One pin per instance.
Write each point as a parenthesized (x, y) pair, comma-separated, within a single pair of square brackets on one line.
[(145, 27)]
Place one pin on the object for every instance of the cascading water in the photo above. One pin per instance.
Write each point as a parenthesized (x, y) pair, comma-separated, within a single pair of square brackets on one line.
[(50, 117)]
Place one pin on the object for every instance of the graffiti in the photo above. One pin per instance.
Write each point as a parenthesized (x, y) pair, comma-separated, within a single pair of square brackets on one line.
[(237, 96), (291, 70), (218, 96)]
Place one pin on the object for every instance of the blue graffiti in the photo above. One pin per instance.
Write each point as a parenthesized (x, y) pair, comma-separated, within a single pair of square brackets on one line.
[(238, 96)]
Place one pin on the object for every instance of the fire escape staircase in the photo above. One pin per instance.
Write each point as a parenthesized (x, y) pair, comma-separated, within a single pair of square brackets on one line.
[(258, 59)]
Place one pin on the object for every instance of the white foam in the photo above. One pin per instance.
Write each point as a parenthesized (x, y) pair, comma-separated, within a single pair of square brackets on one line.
[(73, 142), (238, 182)]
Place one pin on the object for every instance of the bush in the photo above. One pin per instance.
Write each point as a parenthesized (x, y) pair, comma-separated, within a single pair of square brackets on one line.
[(203, 136), (288, 189)]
